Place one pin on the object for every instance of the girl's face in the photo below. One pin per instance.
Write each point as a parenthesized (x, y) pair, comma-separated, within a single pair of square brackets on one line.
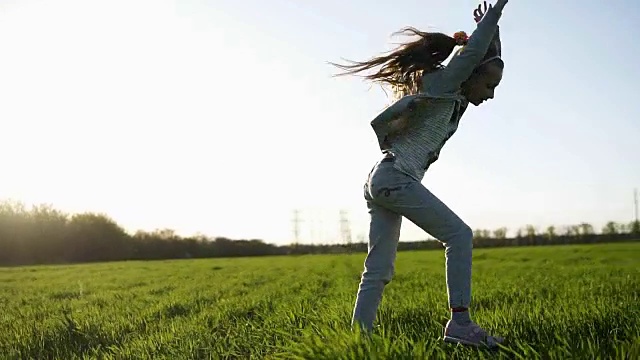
[(481, 85)]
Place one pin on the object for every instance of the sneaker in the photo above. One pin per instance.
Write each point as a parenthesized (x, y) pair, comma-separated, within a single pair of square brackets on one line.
[(471, 334)]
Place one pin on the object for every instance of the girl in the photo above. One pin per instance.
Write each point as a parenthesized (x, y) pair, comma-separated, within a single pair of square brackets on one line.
[(411, 133)]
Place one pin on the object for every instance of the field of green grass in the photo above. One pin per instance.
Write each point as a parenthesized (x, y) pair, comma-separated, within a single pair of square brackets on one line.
[(556, 302)]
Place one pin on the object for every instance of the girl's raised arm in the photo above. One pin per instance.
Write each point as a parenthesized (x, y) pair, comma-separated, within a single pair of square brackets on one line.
[(462, 65)]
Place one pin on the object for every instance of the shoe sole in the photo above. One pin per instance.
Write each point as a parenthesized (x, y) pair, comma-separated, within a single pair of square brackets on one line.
[(453, 340)]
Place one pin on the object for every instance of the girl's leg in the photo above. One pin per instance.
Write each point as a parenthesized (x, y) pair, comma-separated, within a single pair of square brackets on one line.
[(429, 213), (409, 198), (402, 195), (384, 233)]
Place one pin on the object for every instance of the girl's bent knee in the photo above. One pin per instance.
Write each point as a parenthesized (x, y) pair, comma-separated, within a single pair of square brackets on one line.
[(377, 277), (466, 234), (462, 238)]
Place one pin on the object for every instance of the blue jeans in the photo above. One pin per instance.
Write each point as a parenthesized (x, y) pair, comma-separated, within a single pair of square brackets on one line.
[(390, 195)]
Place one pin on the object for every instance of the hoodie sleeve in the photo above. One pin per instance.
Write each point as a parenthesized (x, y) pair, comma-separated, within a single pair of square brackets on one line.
[(496, 41), (451, 77)]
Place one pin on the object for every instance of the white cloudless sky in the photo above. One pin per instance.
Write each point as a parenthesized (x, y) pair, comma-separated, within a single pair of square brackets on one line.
[(221, 117)]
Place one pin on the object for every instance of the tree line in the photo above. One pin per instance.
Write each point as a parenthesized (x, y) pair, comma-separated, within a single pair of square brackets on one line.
[(44, 235)]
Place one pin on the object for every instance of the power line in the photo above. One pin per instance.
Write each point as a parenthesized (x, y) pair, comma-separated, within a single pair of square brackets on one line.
[(296, 226), (635, 201), (345, 227)]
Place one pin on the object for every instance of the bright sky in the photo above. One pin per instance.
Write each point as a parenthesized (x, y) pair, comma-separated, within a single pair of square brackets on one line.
[(221, 116)]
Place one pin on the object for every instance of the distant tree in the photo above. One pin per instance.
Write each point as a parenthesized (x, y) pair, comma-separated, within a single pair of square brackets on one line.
[(95, 237), (574, 230), (623, 228), (611, 228), (164, 234), (586, 229), (551, 232), (48, 235), (44, 235), (635, 227), (531, 231), (500, 233), (200, 237)]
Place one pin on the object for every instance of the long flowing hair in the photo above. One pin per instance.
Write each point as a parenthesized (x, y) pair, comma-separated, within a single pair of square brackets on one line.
[(403, 67)]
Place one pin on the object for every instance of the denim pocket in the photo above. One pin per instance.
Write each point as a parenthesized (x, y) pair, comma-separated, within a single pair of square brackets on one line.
[(386, 184)]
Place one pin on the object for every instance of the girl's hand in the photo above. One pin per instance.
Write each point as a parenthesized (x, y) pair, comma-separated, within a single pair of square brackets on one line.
[(478, 13)]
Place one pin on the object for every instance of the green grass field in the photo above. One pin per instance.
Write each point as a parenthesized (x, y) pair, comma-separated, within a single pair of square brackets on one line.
[(556, 302)]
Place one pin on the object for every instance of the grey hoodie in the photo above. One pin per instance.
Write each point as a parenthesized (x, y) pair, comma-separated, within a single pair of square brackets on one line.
[(415, 128)]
